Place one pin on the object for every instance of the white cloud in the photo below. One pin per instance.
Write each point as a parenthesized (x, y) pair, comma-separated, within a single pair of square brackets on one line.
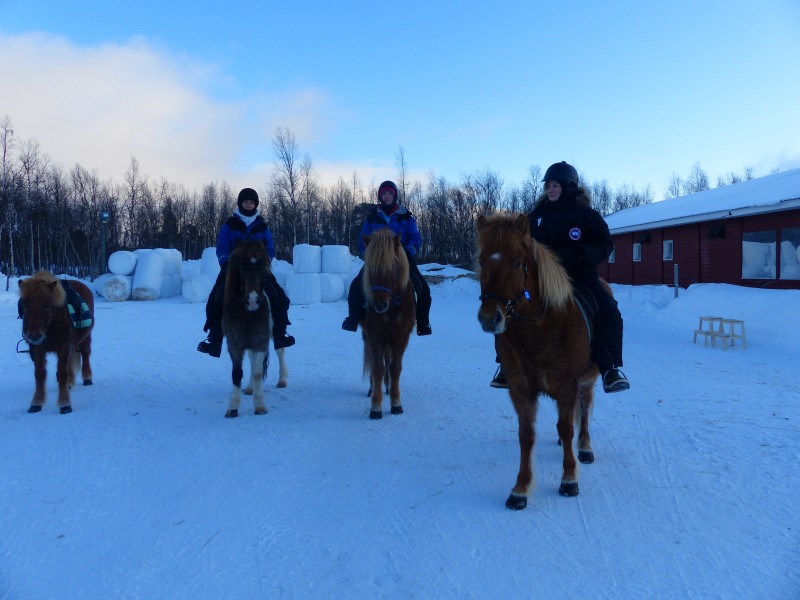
[(98, 106)]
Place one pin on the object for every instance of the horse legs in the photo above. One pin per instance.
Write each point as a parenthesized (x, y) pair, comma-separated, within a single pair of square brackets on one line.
[(526, 416), (85, 349), (236, 376), (65, 375), (39, 358), (585, 454), (376, 379), (257, 383), (394, 370), (566, 430), (283, 372)]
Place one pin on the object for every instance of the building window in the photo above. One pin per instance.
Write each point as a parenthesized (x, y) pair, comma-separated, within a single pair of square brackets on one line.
[(613, 256), (790, 253), (758, 255), (637, 253), (667, 249)]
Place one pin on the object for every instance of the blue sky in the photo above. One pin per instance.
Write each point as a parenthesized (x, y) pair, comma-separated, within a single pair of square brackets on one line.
[(625, 91)]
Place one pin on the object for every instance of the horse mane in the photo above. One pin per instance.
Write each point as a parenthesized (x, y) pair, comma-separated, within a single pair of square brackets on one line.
[(385, 260), (43, 283), (509, 235)]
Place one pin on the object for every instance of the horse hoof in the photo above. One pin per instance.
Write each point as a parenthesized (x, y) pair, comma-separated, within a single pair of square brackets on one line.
[(87, 382), (375, 414), (559, 441), (281, 384), (248, 391), (35, 409), (65, 410), (586, 456), (568, 488), (515, 502), (232, 413), (261, 410), (397, 410)]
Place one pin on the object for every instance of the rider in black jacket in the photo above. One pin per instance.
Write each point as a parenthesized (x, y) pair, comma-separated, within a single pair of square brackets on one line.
[(563, 219)]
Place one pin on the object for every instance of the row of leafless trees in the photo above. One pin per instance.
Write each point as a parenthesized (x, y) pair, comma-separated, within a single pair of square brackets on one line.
[(50, 218)]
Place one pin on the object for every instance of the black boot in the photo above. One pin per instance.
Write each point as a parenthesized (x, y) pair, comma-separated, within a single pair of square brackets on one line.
[(424, 328), (350, 323), (281, 339), (212, 345), (614, 380)]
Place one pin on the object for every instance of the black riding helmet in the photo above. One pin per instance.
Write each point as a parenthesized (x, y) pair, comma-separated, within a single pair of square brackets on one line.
[(562, 172), (247, 194)]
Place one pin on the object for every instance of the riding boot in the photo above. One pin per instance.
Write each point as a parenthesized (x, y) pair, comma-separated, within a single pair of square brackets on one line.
[(355, 304), (213, 344), (280, 338)]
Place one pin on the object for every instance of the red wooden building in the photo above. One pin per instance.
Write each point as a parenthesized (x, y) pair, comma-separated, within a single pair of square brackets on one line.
[(745, 234)]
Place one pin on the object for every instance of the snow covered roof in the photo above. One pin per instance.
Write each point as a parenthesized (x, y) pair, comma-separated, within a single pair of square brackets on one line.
[(780, 191)]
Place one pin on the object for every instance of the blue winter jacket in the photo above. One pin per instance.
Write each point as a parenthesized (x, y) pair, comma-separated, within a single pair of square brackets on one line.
[(400, 221), (234, 231)]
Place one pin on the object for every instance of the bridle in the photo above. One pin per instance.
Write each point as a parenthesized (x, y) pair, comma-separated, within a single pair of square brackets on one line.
[(510, 304)]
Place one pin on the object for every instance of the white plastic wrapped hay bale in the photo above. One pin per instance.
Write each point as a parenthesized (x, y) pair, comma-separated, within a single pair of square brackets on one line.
[(303, 288), (209, 263), (307, 258), (281, 270), (122, 262), (331, 287), (114, 288), (147, 279), (336, 259)]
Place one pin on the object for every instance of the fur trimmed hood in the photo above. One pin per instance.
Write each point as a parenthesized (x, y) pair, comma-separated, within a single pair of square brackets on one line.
[(580, 196)]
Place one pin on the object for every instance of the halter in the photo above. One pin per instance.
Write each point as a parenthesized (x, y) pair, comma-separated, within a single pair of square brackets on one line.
[(396, 298), (510, 305)]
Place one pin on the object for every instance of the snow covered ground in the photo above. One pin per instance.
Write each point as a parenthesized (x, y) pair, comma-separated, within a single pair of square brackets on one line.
[(147, 491)]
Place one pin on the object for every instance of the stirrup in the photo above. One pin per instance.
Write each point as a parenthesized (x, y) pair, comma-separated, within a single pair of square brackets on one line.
[(614, 380), (499, 380)]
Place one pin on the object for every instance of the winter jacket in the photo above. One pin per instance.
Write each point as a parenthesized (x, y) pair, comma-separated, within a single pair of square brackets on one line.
[(234, 231), (572, 229), (400, 221)]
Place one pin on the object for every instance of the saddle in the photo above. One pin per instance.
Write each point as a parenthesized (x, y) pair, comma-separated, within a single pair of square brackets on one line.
[(588, 306), (79, 314)]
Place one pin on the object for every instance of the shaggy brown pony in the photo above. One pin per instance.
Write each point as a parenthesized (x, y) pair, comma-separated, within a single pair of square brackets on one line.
[(390, 317), (542, 340), (247, 323), (48, 327)]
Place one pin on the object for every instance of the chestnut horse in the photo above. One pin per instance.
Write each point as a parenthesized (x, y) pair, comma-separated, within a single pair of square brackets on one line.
[(247, 323), (47, 326), (542, 340), (390, 317)]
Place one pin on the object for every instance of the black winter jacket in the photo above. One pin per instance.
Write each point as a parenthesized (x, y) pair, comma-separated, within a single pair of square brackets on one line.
[(572, 229)]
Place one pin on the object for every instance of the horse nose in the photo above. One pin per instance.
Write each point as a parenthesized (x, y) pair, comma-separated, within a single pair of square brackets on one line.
[(493, 322)]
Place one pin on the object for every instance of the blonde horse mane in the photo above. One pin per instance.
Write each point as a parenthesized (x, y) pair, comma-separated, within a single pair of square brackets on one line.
[(384, 261), (42, 283)]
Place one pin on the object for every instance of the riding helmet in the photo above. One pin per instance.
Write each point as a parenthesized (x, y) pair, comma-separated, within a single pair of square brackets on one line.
[(562, 172)]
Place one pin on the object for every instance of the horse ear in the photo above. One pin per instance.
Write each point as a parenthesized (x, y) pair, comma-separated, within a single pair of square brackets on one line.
[(52, 285), (481, 222), (521, 223), (366, 240)]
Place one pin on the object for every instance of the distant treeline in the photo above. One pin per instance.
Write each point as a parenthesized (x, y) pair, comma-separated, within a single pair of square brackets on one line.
[(51, 218)]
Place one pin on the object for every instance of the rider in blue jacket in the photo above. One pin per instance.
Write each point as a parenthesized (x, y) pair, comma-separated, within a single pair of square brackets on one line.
[(390, 213), (244, 224)]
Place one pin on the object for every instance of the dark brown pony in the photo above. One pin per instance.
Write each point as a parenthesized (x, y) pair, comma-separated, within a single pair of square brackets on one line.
[(247, 323), (48, 327), (391, 315), (542, 340)]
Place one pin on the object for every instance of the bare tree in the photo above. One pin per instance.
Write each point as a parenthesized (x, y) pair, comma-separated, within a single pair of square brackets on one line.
[(402, 173), (697, 180), (287, 182), (602, 199), (675, 187)]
